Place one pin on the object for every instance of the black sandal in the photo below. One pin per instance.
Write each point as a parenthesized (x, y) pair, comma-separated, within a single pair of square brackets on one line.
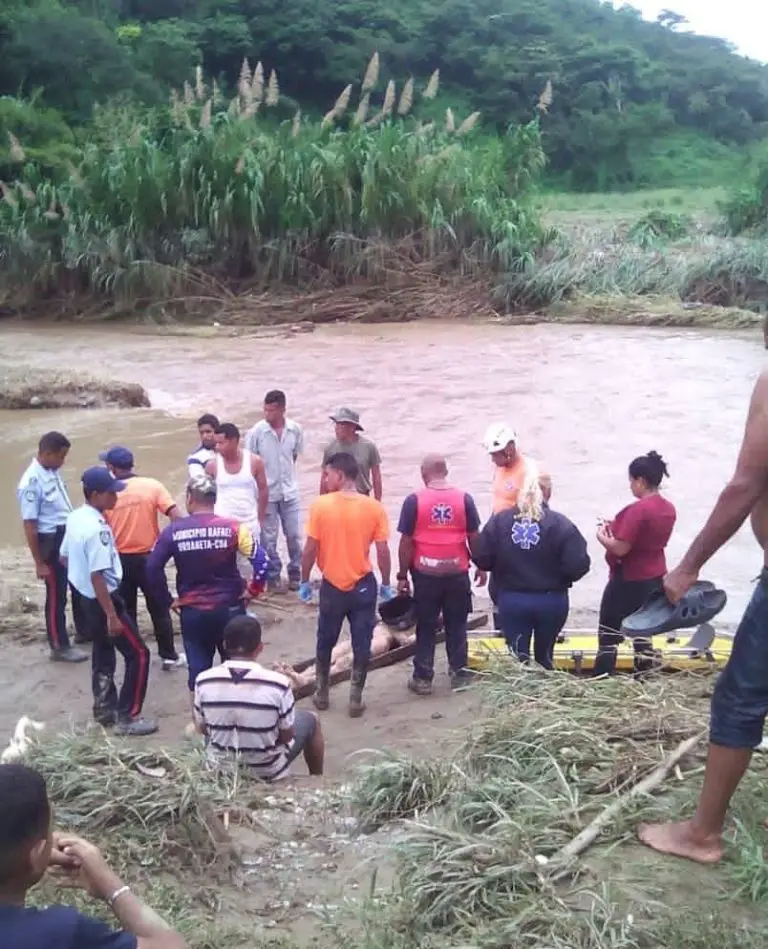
[(701, 604)]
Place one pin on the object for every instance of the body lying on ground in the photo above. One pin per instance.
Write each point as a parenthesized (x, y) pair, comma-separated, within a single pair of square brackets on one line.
[(384, 640)]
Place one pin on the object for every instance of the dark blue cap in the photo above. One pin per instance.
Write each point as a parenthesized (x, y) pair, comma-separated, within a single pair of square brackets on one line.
[(118, 457), (100, 479)]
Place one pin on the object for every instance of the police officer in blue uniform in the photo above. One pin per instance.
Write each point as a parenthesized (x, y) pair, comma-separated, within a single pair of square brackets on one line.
[(94, 569), (45, 506)]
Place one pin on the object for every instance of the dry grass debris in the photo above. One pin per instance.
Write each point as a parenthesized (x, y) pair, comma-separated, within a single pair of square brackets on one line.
[(481, 834)]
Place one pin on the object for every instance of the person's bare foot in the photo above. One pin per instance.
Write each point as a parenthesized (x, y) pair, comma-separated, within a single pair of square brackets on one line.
[(681, 840)]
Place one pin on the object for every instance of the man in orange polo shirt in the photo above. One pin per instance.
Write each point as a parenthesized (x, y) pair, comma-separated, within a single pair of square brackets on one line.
[(341, 528), (134, 523)]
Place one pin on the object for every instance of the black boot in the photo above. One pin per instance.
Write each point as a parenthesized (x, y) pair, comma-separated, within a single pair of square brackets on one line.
[(321, 698), (356, 704)]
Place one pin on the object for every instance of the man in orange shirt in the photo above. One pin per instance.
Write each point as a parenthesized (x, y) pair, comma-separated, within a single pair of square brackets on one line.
[(341, 527), (134, 523)]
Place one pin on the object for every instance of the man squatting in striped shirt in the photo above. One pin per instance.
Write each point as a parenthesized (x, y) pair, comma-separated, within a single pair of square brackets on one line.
[(247, 713)]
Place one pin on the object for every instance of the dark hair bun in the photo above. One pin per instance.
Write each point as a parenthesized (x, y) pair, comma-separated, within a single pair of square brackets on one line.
[(651, 468)]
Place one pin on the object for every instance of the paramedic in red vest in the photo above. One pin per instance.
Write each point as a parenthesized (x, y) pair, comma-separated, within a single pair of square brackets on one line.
[(436, 526)]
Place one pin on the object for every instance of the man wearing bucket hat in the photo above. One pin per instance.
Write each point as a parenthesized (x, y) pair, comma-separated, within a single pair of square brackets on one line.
[(349, 441), (93, 567)]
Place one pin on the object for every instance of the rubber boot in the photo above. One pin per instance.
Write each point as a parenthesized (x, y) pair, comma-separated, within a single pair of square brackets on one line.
[(321, 698), (357, 684)]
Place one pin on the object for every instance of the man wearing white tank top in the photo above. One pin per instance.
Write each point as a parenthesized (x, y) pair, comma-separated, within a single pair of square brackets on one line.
[(241, 482)]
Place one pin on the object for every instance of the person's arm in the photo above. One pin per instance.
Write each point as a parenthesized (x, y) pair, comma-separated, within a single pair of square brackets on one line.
[(260, 477), (619, 548), (30, 533), (381, 539), (376, 472), (165, 504), (308, 558), (404, 557), (298, 448), (98, 555), (406, 525), (252, 441), (286, 718), (197, 712), (323, 474), (210, 468), (84, 864), (574, 556), (376, 481), (157, 581), (114, 625), (30, 499), (743, 491), (472, 520), (483, 546)]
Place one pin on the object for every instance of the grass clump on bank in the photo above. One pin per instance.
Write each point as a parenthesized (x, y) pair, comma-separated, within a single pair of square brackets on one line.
[(482, 862), (699, 269), (234, 194), (21, 388), (156, 816)]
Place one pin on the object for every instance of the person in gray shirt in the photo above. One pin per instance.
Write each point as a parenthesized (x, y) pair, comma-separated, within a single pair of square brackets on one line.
[(279, 441), (363, 450)]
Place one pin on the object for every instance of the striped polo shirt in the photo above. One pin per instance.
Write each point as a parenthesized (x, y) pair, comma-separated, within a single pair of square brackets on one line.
[(242, 706)]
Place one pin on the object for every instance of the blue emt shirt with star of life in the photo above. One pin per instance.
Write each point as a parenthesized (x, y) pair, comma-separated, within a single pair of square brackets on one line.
[(89, 547), (528, 556), (43, 498)]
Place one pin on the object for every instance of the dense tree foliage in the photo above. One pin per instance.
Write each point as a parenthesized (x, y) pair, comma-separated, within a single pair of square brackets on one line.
[(620, 85)]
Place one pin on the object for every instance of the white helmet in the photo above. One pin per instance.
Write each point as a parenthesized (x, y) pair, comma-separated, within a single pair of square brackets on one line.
[(498, 436)]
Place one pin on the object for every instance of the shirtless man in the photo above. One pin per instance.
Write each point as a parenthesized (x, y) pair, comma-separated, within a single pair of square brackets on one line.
[(384, 640), (740, 699)]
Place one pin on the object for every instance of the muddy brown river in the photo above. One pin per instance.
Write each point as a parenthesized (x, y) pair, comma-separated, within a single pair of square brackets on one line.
[(584, 400)]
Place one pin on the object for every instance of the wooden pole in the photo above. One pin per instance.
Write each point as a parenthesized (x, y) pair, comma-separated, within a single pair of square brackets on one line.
[(649, 783)]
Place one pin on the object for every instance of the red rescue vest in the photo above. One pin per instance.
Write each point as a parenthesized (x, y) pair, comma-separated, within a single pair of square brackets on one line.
[(440, 537)]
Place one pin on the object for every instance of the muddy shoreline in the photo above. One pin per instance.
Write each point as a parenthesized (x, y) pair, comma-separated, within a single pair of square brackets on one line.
[(26, 387)]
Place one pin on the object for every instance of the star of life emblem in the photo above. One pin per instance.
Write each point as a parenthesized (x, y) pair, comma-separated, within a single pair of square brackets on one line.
[(525, 534), (442, 514)]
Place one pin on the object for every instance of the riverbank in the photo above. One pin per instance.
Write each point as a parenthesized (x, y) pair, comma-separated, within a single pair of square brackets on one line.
[(405, 847), (26, 387)]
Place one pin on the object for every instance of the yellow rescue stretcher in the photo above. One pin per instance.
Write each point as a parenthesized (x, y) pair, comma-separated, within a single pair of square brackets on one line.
[(576, 650)]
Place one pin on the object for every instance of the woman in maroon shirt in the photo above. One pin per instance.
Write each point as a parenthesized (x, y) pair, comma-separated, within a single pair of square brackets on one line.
[(634, 542)]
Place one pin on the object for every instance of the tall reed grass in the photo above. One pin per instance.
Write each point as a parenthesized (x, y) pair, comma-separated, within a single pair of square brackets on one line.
[(235, 193)]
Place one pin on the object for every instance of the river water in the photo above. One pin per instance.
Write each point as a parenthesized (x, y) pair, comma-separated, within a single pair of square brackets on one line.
[(584, 400)]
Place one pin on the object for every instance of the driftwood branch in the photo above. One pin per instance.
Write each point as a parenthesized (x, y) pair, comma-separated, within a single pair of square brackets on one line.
[(649, 783)]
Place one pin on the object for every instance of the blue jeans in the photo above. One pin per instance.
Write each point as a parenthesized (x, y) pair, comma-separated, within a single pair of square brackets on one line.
[(541, 615), (357, 605), (202, 632), (740, 699), (287, 514)]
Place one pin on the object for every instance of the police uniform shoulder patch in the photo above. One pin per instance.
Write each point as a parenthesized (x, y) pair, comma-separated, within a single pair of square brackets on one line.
[(30, 494), (104, 537)]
